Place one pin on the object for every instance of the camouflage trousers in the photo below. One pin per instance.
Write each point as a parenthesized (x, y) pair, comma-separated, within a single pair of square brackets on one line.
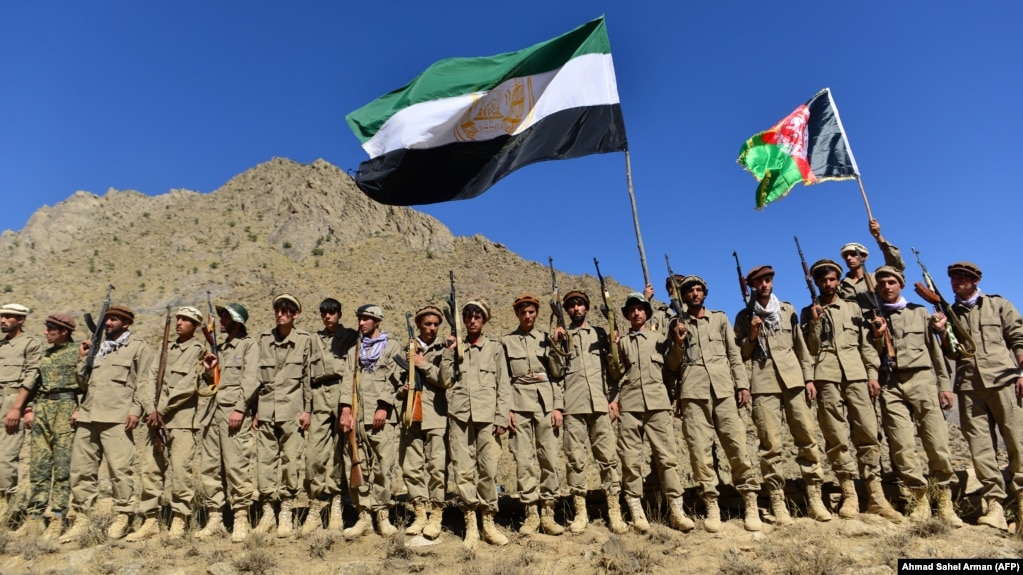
[(50, 459)]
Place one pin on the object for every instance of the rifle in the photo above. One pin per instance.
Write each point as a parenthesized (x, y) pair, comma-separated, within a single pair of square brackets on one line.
[(884, 375), (827, 330), (558, 313), (414, 399), (605, 309), (676, 305), (750, 302), (98, 329), (209, 331), (161, 371), (454, 317), (959, 338), (356, 479)]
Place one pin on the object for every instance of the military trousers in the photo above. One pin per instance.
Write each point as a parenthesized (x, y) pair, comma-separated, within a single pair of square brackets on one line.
[(424, 457), (10, 450), (279, 447), (534, 445), (655, 428), (910, 409), (771, 413), (322, 445), (980, 413), (587, 433), (848, 421), (475, 453), (702, 420), (171, 465), (96, 441), (378, 456), (225, 466), (50, 455)]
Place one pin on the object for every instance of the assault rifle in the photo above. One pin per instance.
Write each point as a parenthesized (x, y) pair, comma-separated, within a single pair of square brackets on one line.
[(157, 432), (454, 317), (676, 305), (558, 313), (827, 330), (355, 435), (959, 339), (887, 355), (209, 331), (750, 302), (414, 397), (98, 329), (605, 309)]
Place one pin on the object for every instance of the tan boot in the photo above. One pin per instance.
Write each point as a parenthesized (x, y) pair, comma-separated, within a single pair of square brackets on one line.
[(679, 520), (267, 522), (614, 515), (994, 516), (241, 526), (946, 510), (120, 525), (432, 528), (177, 527), (472, 531), (336, 521), (79, 527), (313, 521), (384, 527), (712, 524), (779, 509), (532, 522), (491, 534), (417, 525), (639, 522), (363, 526), (32, 527), (581, 520), (850, 501), (55, 527), (547, 522), (877, 504), (751, 519), (921, 505), (815, 505), (284, 520), (214, 526)]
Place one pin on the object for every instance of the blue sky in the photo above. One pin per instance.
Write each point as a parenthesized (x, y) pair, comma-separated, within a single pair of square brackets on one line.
[(151, 96)]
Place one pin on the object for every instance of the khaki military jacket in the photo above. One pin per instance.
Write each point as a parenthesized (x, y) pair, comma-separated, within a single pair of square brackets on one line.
[(789, 364), (646, 356), (530, 357), (916, 347), (997, 330), (856, 289), (588, 371), (19, 363), (286, 370), (178, 398), (336, 350), (716, 358), (57, 368), (376, 388), (481, 393), (433, 399), (110, 392), (850, 356), (239, 376)]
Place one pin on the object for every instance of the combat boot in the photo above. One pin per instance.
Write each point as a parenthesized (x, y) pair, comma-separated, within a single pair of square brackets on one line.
[(472, 531), (815, 505), (712, 524), (177, 527), (921, 505), (532, 522), (214, 526), (547, 522), (946, 510), (313, 521), (284, 520), (433, 527), (119, 527), (362, 526), (679, 520), (336, 521), (751, 520), (241, 526), (491, 534), (267, 521), (580, 521), (779, 509), (32, 527), (55, 527), (79, 527), (850, 501), (877, 504), (614, 515), (995, 515), (639, 522), (417, 525), (384, 527)]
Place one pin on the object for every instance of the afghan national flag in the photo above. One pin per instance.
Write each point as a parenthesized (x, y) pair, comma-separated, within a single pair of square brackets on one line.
[(465, 123), (808, 145)]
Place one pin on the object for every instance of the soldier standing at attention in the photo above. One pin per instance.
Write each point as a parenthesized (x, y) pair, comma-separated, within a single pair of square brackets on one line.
[(854, 284), (537, 403), (54, 399), (989, 386), (19, 367), (289, 360), (912, 402), (781, 383), (172, 421), (587, 417), (110, 410)]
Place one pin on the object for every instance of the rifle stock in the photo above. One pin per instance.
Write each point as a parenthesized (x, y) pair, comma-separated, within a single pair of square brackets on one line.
[(959, 339), (209, 331), (97, 335), (356, 478), (826, 327), (414, 396), (609, 314), (558, 312), (161, 371), (454, 317), (749, 302)]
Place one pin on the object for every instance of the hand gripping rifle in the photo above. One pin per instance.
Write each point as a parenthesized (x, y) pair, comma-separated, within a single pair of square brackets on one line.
[(413, 411), (676, 305), (750, 303), (454, 317), (558, 314), (98, 329), (827, 330), (605, 309), (209, 331), (356, 478), (161, 371), (884, 375), (959, 338)]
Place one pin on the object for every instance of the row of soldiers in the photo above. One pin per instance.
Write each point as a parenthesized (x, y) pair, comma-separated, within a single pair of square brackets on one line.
[(334, 401)]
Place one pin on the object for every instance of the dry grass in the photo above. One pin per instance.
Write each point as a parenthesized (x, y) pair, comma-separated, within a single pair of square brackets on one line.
[(810, 555), (735, 562), (395, 547), (258, 561), (99, 521), (618, 557), (320, 543), (929, 528)]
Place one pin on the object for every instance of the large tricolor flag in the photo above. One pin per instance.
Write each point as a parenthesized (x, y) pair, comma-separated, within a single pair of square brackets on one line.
[(809, 145), (465, 123)]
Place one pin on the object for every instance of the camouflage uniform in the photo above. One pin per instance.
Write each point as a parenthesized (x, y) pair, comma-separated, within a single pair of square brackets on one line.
[(50, 448)]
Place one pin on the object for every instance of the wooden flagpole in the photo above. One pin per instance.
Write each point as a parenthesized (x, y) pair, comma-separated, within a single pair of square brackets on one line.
[(635, 218), (862, 192)]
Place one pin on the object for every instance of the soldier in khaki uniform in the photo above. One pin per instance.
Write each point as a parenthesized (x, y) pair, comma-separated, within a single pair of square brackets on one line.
[(664, 313), (423, 451), (713, 388), (988, 385), (323, 448), (109, 412), (854, 285), (378, 378), (478, 407), (781, 384), (588, 420), (227, 441), (289, 361), (912, 402), (19, 367), (172, 423), (845, 373), (644, 411), (537, 404)]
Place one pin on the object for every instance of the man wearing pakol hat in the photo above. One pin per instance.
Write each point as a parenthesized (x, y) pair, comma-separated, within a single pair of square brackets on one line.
[(479, 402), (227, 441), (535, 420), (289, 360), (172, 422), (713, 388), (854, 285), (110, 410), (781, 386), (377, 379), (845, 374), (19, 367), (644, 412), (989, 386), (910, 408), (54, 398), (588, 421), (423, 451)]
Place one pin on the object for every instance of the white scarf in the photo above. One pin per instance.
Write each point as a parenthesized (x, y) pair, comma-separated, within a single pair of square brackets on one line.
[(900, 304), (969, 302), (108, 346), (770, 314), (370, 350)]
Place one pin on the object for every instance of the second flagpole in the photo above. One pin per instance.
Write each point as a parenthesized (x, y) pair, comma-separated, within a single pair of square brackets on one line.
[(635, 218)]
